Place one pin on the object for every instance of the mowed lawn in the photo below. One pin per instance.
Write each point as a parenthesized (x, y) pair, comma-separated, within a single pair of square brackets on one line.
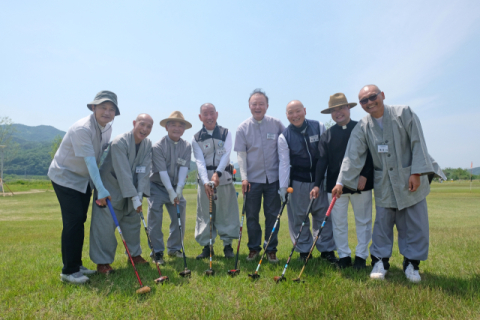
[(30, 264)]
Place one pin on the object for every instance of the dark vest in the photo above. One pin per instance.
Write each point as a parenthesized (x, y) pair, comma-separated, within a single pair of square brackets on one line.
[(213, 149), (303, 150)]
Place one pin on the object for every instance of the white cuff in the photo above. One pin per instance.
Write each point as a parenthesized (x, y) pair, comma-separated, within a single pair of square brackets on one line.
[(136, 202), (242, 164)]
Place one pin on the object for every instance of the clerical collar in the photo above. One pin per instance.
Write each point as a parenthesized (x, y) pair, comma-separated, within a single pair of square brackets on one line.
[(344, 127)]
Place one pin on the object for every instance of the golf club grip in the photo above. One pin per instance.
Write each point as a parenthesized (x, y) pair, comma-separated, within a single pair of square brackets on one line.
[(112, 212), (329, 211)]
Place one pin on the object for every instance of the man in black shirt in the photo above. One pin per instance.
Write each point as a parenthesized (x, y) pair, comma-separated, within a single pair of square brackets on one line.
[(332, 146)]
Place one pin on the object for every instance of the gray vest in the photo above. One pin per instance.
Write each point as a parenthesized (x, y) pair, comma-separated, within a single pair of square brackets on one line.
[(213, 149)]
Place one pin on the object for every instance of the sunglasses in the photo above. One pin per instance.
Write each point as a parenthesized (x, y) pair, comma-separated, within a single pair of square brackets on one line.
[(371, 98)]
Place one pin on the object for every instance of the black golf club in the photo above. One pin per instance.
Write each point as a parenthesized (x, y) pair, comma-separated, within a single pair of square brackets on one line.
[(143, 289), (277, 279), (186, 272), (255, 275), (161, 279), (329, 211), (236, 271)]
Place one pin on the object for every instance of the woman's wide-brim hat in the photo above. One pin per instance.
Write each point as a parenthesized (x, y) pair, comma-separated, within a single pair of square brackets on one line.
[(176, 116), (337, 100), (104, 96)]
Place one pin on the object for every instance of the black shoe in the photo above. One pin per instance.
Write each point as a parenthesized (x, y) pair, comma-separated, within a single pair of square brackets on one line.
[(359, 263), (344, 262), (158, 258), (228, 251), (205, 253), (303, 256), (329, 256)]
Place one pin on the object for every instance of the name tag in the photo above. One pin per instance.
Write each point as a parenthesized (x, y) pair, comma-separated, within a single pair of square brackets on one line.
[(221, 151), (271, 136), (314, 138), (181, 161), (382, 148), (140, 169)]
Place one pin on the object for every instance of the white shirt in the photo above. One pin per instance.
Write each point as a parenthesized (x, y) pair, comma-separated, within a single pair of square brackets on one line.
[(200, 159)]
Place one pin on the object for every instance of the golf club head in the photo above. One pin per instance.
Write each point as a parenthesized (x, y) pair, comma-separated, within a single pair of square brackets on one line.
[(210, 272), (185, 273), (162, 280), (278, 279), (254, 276), (298, 280), (233, 272), (143, 290)]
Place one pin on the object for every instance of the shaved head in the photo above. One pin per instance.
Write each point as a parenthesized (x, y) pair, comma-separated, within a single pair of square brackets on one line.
[(142, 126), (296, 113), (370, 87), (294, 103), (144, 116), (208, 104), (371, 99)]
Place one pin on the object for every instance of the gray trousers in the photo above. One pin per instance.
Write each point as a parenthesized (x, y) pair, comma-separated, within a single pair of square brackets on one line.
[(103, 242), (412, 227), (362, 210), (271, 208), (225, 215), (158, 198), (297, 209)]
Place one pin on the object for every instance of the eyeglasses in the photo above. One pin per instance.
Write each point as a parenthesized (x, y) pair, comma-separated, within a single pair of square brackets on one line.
[(371, 98)]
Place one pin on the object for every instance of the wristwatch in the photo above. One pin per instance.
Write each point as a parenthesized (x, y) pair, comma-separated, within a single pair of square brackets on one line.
[(219, 173)]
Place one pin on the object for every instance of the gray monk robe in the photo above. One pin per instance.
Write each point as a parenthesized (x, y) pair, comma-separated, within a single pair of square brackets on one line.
[(398, 151), (125, 174)]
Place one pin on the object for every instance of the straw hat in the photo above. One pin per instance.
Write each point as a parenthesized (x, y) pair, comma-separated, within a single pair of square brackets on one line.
[(103, 96), (338, 100), (176, 116)]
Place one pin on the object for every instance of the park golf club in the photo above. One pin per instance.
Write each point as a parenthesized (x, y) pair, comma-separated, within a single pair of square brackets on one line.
[(329, 211), (210, 271), (161, 279), (277, 279), (143, 289), (255, 275), (186, 272), (236, 271)]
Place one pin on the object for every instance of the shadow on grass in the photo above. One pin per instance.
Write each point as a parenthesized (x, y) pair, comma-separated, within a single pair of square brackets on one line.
[(455, 286)]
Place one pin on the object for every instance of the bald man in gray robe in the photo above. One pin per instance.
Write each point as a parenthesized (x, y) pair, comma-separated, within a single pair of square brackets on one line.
[(125, 174), (402, 172)]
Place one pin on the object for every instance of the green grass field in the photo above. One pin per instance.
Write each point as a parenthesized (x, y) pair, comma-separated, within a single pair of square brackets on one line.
[(30, 264)]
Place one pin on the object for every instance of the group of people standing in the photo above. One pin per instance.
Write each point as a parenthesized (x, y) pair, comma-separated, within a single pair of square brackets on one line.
[(385, 151)]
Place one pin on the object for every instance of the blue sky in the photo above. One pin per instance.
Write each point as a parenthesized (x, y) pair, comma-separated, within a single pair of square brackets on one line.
[(161, 56)]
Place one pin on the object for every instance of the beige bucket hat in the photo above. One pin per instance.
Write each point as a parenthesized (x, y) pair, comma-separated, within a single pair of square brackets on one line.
[(176, 116), (338, 100)]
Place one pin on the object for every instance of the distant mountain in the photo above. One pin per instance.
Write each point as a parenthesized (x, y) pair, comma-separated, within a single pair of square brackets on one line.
[(34, 145), (36, 134)]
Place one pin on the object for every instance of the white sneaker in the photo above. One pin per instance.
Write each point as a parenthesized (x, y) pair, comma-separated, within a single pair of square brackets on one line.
[(378, 271), (84, 270), (76, 277), (412, 274)]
